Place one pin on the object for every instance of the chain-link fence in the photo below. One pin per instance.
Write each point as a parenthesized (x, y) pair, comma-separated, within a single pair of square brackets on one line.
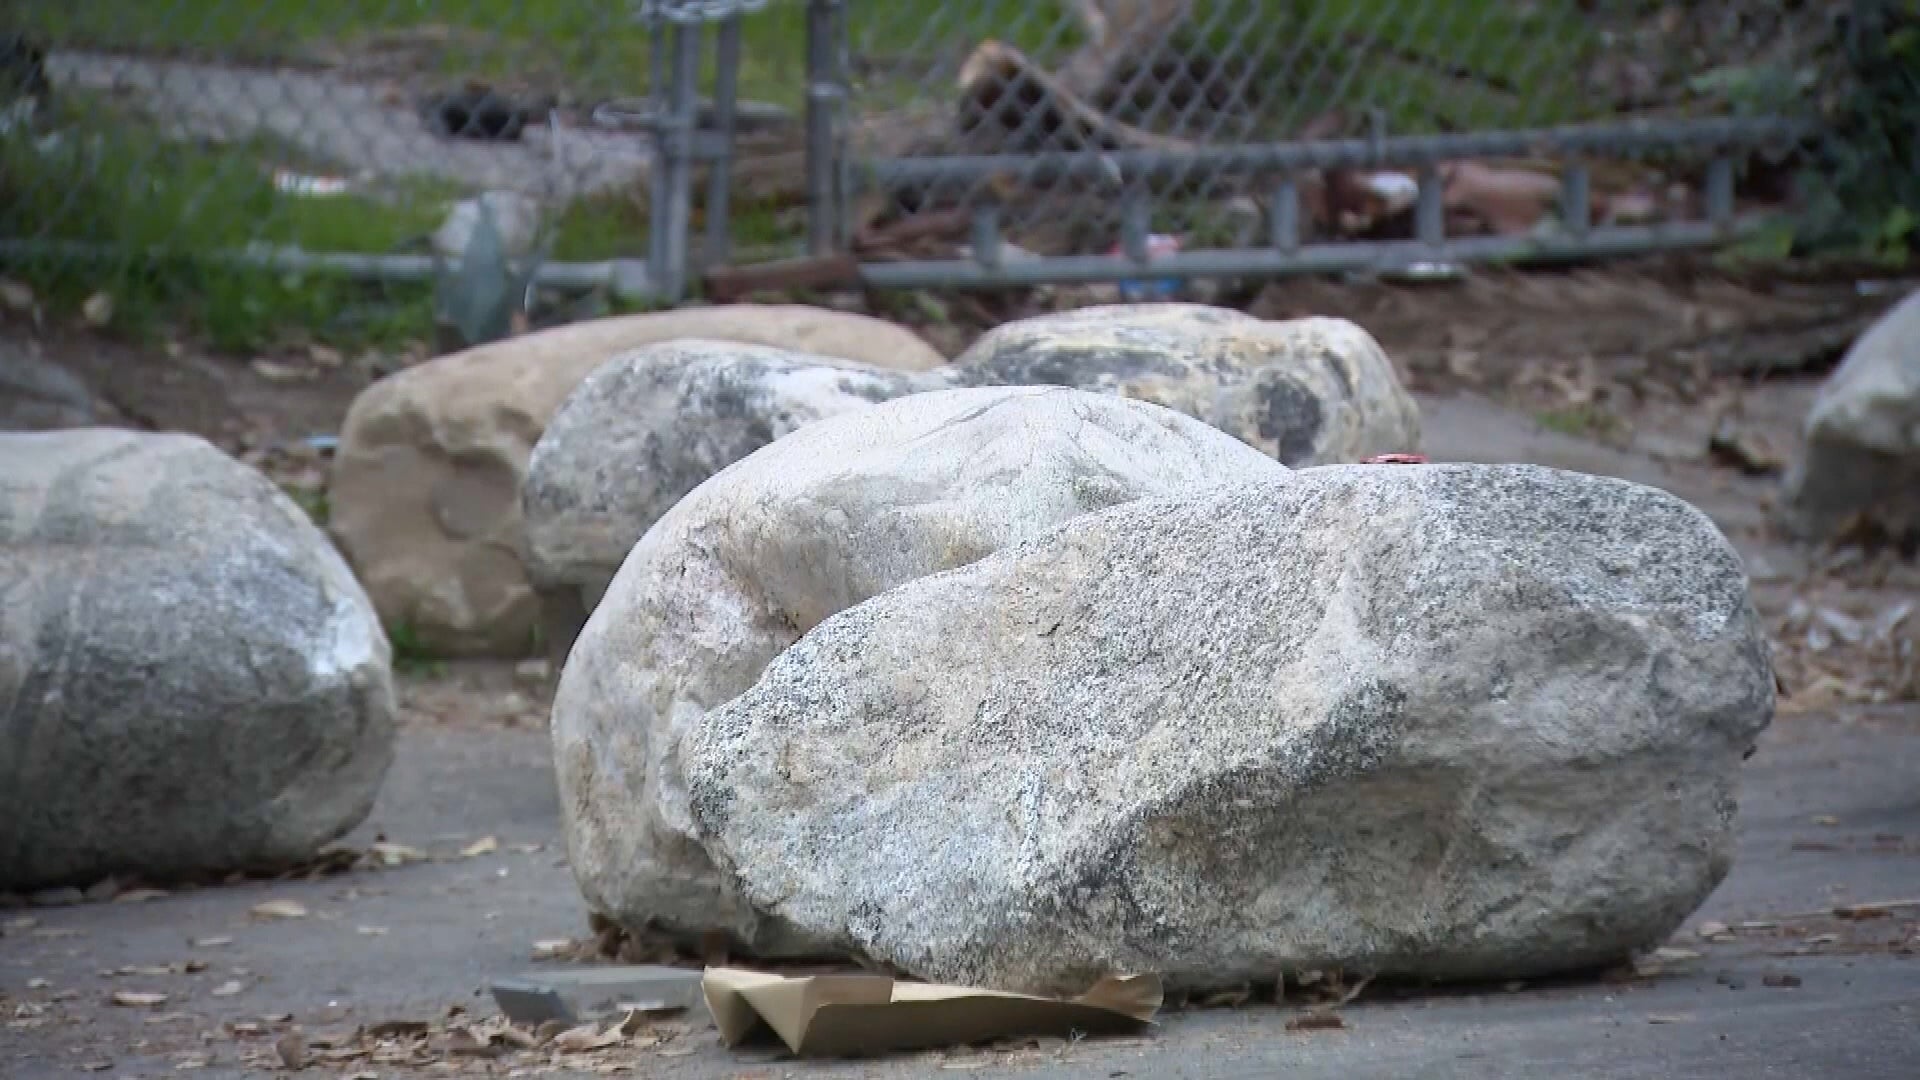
[(371, 163), (376, 165), (1106, 139)]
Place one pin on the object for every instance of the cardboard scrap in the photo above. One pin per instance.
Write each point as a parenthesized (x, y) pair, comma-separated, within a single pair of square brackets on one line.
[(851, 1015)]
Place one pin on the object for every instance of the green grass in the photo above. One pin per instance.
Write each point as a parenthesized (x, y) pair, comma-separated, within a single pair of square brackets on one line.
[(1581, 421), (156, 206), (592, 48), (411, 656)]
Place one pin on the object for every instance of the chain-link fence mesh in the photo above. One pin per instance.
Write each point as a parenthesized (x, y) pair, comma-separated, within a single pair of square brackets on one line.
[(1125, 81), (140, 138)]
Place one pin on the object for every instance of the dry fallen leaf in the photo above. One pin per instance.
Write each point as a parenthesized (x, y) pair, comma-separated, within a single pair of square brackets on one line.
[(98, 309), (291, 1049), (96, 1066), (38, 984), (587, 1037), (211, 942), (1780, 981), (139, 896), (20, 922), (227, 989), (486, 845), (280, 909), (552, 948), (396, 854), (196, 1061), (1666, 1019), (370, 931), (18, 298), (1316, 1021), (1670, 954), (1713, 930), (1827, 820), (135, 999), (390, 1029), (279, 372), (1823, 939)]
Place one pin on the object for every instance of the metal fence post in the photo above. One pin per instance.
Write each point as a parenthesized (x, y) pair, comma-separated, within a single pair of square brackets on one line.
[(726, 86), (657, 176), (673, 221), (825, 91)]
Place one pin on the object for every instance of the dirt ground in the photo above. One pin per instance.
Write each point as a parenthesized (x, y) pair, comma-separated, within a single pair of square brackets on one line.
[(1660, 374)]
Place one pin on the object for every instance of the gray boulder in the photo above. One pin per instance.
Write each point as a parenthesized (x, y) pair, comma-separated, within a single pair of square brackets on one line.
[(648, 427), (835, 513), (1307, 391), (191, 681), (38, 395), (425, 491), (1449, 722), (1862, 457)]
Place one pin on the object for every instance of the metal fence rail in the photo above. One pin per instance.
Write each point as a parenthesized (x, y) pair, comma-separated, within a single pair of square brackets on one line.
[(491, 148)]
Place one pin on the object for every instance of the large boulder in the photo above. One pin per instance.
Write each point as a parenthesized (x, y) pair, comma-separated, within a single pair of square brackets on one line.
[(426, 485), (1448, 722), (835, 513), (191, 681), (648, 427), (1862, 457), (1307, 391)]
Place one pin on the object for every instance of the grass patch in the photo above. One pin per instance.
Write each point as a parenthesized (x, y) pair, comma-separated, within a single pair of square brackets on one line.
[(591, 48), (1581, 421), (155, 208), (411, 655), (318, 507)]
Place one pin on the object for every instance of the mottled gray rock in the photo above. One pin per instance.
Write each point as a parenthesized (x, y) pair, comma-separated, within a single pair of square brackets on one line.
[(1862, 458), (37, 395), (1307, 391), (426, 484), (648, 427), (839, 511), (1446, 721), (190, 679)]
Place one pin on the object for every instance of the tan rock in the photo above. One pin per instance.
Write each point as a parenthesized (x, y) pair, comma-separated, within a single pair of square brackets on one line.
[(426, 488)]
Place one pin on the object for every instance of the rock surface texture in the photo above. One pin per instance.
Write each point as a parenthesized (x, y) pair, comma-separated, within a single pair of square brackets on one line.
[(1428, 721), (835, 513), (648, 427), (191, 681), (1307, 391), (426, 486), (1862, 458)]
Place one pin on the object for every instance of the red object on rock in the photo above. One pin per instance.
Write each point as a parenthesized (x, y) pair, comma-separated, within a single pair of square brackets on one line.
[(1396, 459)]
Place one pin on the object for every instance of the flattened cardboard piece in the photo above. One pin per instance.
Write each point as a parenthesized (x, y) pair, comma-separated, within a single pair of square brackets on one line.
[(851, 1015)]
